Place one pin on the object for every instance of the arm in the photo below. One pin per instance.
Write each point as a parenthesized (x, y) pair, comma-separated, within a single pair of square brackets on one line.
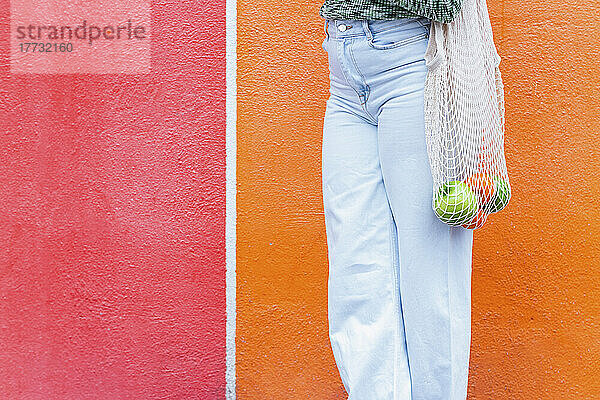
[(437, 10)]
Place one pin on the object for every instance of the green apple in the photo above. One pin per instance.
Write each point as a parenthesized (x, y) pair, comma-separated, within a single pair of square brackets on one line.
[(501, 195), (455, 203)]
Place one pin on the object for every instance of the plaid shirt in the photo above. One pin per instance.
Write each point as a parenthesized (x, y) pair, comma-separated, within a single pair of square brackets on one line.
[(438, 10)]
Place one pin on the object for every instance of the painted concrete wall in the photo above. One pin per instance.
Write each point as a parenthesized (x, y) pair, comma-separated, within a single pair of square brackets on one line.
[(112, 216)]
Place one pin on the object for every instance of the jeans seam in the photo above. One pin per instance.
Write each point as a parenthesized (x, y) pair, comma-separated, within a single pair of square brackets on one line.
[(340, 46), (396, 298), (367, 88)]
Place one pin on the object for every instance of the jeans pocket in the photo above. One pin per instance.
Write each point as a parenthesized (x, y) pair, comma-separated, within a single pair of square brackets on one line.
[(388, 34)]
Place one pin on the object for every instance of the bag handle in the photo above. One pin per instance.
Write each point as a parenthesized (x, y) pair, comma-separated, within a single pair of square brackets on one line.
[(435, 48)]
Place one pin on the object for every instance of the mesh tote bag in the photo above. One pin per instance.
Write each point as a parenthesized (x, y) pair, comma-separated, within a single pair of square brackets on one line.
[(464, 119)]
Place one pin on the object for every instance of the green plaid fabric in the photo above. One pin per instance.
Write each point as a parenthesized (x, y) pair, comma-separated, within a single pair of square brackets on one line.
[(438, 10)]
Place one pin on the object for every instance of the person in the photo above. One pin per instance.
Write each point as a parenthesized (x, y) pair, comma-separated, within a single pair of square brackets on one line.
[(399, 286)]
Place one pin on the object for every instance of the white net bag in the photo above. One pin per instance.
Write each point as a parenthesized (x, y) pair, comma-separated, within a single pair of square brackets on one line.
[(464, 119)]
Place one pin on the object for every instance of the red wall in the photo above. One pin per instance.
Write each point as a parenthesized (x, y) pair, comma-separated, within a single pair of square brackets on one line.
[(112, 219)]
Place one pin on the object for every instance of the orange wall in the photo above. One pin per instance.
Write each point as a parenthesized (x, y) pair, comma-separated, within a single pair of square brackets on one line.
[(536, 275)]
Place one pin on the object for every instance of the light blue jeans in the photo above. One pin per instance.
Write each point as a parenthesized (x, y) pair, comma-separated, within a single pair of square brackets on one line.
[(399, 288)]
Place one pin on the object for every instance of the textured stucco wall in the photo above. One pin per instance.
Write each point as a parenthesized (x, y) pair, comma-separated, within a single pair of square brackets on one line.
[(112, 206), (112, 216)]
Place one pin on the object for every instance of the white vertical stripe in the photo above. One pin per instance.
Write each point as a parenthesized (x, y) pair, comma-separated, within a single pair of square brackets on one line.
[(231, 182)]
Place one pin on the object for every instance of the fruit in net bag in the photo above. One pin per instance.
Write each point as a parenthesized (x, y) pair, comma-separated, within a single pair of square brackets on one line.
[(501, 195), (455, 203), (478, 220), (483, 185), (464, 119)]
